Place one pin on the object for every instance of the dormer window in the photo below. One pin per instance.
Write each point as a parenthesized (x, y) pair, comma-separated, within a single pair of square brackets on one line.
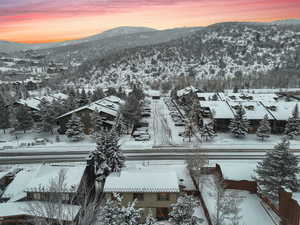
[(272, 108), (236, 107), (249, 107)]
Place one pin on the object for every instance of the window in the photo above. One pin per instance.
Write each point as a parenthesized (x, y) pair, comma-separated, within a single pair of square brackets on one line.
[(163, 196), (36, 196), (65, 197), (138, 196)]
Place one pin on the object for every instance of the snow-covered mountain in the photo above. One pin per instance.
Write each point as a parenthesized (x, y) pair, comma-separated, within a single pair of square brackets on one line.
[(227, 50), (7, 47)]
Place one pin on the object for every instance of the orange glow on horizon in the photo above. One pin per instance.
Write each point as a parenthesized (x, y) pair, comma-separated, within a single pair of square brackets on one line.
[(53, 21)]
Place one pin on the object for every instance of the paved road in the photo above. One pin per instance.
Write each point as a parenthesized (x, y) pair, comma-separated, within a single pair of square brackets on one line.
[(39, 157), (161, 130)]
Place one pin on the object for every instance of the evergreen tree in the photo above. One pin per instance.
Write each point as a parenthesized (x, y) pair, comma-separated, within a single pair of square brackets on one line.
[(239, 125), (130, 215), (110, 213), (113, 213), (5, 115), (131, 111), (188, 130), (24, 119), (195, 114), (106, 158), (182, 212), (207, 132), (279, 169), (82, 99), (150, 220), (47, 115), (87, 122), (74, 128), (70, 102), (97, 95), (264, 128), (292, 127), (111, 91), (97, 124), (121, 93)]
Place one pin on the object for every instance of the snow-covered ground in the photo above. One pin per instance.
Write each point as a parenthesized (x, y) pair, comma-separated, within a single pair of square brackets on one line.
[(251, 208)]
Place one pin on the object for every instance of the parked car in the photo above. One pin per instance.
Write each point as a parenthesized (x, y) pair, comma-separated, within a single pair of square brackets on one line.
[(181, 134), (180, 124), (145, 137)]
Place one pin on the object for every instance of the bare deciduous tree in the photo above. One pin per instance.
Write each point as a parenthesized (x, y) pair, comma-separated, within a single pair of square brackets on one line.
[(53, 207), (227, 205), (195, 165)]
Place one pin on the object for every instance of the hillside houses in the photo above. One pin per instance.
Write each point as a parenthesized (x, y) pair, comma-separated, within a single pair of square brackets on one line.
[(107, 107)]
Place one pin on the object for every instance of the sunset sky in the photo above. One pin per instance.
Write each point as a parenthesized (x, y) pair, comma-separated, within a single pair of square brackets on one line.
[(34, 21)]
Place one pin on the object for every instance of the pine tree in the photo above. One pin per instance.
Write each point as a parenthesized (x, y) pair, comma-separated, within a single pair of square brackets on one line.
[(97, 95), (150, 220), (182, 212), (110, 213), (279, 169), (74, 128), (47, 115), (188, 130), (131, 110), (97, 122), (113, 213), (70, 102), (292, 127), (239, 125), (24, 119), (264, 128), (5, 115), (82, 99), (195, 114), (87, 122), (106, 158), (130, 215), (207, 132)]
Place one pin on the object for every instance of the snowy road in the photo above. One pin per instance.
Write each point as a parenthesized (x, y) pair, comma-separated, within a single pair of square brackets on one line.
[(162, 133)]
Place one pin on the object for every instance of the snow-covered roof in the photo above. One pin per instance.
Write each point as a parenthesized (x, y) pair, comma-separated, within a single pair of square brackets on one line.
[(34, 178), (220, 109), (46, 173), (186, 91), (264, 90), (142, 180), (254, 110), (3, 174), (109, 105), (237, 170), (208, 96), (248, 97), (115, 99), (10, 209), (280, 110), (33, 102), (15, 190), (30, 102)]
